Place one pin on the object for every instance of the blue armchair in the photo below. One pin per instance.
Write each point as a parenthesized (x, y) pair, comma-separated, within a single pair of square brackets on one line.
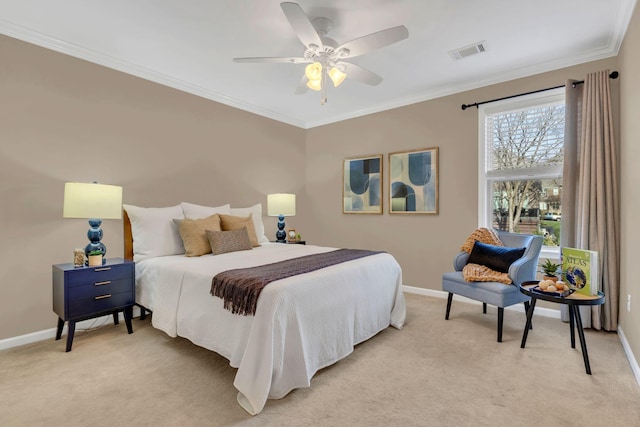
[(495, 293)]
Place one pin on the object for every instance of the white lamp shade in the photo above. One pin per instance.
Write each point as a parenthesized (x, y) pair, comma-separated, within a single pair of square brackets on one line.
[(86, 200), (281, 204)]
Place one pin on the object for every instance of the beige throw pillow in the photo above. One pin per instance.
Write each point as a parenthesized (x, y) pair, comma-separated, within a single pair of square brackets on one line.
[(256, 216), (229, 241), (193, 234), (230, 223)]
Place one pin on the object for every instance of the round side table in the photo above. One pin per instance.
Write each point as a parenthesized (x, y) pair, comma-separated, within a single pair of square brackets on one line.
[(574, 301)]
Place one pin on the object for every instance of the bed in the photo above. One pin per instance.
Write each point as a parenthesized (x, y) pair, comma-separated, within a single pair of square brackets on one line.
[(301, 324)]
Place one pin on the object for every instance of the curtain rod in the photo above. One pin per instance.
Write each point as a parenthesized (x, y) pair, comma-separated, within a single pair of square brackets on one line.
[(613, 75)]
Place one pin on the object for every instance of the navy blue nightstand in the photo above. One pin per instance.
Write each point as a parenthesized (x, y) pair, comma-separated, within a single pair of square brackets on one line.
[(86, 292)]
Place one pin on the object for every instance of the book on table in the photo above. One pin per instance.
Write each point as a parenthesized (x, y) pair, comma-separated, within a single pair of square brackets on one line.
[(580, 270)]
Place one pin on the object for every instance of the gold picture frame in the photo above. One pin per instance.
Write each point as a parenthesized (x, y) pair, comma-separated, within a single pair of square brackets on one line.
[(413, 181), (292, 232)]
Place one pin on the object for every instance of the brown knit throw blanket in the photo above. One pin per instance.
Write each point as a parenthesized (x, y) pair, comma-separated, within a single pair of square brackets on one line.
[(241, 288), (484, 235)]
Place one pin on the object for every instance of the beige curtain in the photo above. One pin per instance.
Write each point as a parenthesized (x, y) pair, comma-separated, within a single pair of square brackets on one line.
[(590, 195)]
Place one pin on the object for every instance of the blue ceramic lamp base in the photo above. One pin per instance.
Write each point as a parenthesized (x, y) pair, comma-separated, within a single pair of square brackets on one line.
[(95, 235), (280, 234)]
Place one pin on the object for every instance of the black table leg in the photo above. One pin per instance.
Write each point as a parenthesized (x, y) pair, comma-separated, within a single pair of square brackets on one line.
[(583, 343), (532, 307), (59, 330), (526, 311), (128, 314), (572, 324), (70, 332), (116, 321)]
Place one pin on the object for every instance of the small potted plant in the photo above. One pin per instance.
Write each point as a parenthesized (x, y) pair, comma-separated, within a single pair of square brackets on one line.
[(95, 258), (550, 270)]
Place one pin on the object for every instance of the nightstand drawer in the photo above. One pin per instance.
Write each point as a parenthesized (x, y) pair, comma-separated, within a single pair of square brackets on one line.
[(96, 304), (92, 275), (100, 288)]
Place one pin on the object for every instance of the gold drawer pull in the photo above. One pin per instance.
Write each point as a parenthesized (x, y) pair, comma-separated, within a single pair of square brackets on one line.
[(102, 283), (103, 296), (102, 269)]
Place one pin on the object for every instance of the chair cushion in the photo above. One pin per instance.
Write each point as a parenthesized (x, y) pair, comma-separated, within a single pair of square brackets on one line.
[(498, 258), (494, 293)]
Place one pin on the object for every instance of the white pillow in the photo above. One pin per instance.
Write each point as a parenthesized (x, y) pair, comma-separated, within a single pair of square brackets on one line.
[(192, 211), (154, 232), (256, 211)]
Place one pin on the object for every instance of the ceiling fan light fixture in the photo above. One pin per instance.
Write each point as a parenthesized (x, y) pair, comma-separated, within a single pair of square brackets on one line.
[(323, 55), (337, 76), (313, 71), (314, 84)]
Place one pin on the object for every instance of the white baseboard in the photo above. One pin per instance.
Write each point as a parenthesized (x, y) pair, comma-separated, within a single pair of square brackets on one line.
[(635, 368), (51, 333)]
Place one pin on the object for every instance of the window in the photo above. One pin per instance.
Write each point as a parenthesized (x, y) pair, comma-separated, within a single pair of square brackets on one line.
[(521, 152)]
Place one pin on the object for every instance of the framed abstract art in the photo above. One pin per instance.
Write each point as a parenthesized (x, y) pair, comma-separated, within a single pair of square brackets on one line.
[(362, 185), (413, 182)]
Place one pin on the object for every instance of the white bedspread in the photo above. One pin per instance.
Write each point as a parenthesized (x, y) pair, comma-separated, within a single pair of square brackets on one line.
[(302, 323)]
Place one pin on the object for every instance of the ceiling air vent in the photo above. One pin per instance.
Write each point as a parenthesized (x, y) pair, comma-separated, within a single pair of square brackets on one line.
[(472, 49)]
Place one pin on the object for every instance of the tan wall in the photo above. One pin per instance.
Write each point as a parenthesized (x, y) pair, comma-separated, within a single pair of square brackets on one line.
[(424, 245), (64, 119), (164, 146), (629, 59)]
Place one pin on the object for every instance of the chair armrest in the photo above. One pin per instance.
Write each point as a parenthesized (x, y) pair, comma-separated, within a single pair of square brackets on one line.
[(460, 261), (522, 270)]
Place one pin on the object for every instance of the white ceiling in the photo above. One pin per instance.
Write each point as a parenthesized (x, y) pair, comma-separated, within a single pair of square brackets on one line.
[(189, 45)]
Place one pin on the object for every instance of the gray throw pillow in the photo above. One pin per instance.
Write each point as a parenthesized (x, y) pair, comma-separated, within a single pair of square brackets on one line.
[(229, 241)]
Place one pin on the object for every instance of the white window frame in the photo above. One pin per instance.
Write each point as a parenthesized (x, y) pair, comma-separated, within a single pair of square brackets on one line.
[(485, 178)]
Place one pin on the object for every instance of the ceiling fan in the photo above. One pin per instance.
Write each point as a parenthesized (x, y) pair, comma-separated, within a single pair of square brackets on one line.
[(325, 58)]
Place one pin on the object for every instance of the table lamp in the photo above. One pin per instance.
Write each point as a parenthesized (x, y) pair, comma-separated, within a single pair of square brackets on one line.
[(95, 202), (281, 205)]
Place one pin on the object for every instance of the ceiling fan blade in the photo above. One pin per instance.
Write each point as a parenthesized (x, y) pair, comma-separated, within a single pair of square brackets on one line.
[(301, 24), (273, 59), (373, 41), (302, 85), (356, 72)]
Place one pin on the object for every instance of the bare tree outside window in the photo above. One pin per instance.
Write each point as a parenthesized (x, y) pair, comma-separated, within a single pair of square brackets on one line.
[(524, 156)]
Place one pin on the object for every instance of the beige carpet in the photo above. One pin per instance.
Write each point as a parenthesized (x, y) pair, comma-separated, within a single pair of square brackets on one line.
[(431, 373)]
